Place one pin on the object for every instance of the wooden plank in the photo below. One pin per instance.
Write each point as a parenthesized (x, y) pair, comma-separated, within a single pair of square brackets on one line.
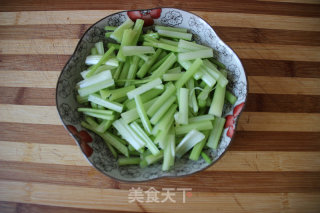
[(11, 207), (243, 6), (257, 67), (83, 197), (282, 103), (232, 161), (270, 121), (295, 1), (244, 50), (35, 133), (262, 182), (213, 18), (243, 141), (249, 121), (284, 85), (254, 67), (28, 96), (33, 79), (276, 51), (244, 35)]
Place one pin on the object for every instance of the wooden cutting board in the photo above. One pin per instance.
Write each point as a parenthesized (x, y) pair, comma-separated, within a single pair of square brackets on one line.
[(273, 164)]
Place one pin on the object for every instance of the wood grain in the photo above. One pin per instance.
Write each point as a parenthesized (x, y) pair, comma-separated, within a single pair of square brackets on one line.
[(72, 196), (254, 182), (281, 22)]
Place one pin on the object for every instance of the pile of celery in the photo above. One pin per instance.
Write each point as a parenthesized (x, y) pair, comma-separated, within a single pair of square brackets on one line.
[(153, 95)]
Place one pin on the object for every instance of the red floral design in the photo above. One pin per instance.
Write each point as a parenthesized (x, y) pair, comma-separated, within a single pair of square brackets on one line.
[(84, 139), (230, 119), (146, 15)]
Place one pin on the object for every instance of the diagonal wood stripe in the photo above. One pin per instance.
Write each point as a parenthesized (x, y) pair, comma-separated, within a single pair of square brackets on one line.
[(244, 50), (232, 161), (84, 197), (213, 18), (243, 141), (266, 182), (249, 121)]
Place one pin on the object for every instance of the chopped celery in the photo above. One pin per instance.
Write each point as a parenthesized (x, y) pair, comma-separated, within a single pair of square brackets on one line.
[(197, 149), (215, 72), (189, 73), (150, 159), (109, 28), (144, 88), (107, 34), (132, 70), (102, 76), (85, 91), (128, 161), (142, 114), (218, 63), (201, 118), (172, 34), (107, 104), (167, 41), (124, 72), (99, 111), (231, 98), (200, 126), (215, 134), (145, 97), (119, 31), (172, 76), (144, 59), (217, 101), (174, 70), (204, 53), (183, 44), (144, 69), (119, 93), (162, 110), (175, 29), (100, 48), (116, 46), (136, 50), (94, 51), (159, 62), (82, 100), (165, 66), (138, 29), (183, 106), (189, 141), (116, 74), (104, 125), (128, 36), (206, 157), (164, 46), (192, 96)]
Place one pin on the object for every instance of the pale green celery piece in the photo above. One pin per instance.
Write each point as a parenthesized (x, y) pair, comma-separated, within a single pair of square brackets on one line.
[(92, 59), (138, 29), (103, 60), (231, 98), (200, 126), (94, 51), (189, 73), (172, 34), (190, 45), (142, 114), (192, 96), (159, 62), (119, 93), (93, 105), (217, 101), (112, 149), (165, 120), (190, 140), (172, 76), (215, 134), (85, 91), (82, 100), (218, 63), (104, 93), (91, 121), (100, 48), (107, 104), (206, 157), (119, 31), (109, 28), (112, 62), (134, 153), (104, 125), (116, 46), (207, 78), (197, 149), (132, 114), (149, 144), (183, 105), (151, 40), (149, 35), (99, 111), (165, 66), (169, 151), (124, 72), (131, 148), (167, 41), (102, 76), (209, 100), (84, 73), (162, 46), (192, 55), (154, 158), (174, 29), (222, 80), (128, 37), (175, 70), (187, 64), (108, 34), (162, 99), (137, 50), (162, 110), (144, 59), (127, 133), (201, 118), (132, 70), (141, 63), (128, 161), (144, 88), (116, 74), (109, 138), (146, 66), (162, 137), (145, 97)]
